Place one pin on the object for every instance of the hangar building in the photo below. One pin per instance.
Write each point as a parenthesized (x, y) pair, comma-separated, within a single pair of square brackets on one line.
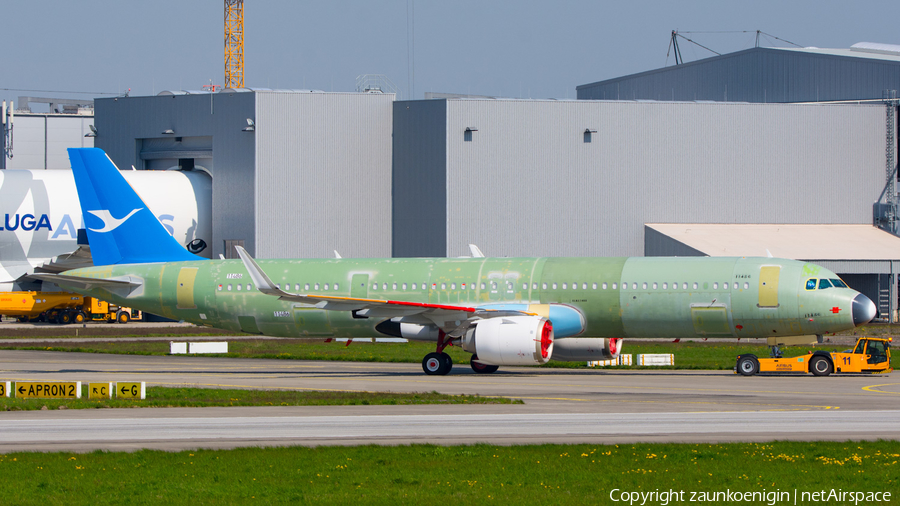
[(295, 173)]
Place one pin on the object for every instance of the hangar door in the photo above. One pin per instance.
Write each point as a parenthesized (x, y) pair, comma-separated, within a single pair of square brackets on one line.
[(184, 153)]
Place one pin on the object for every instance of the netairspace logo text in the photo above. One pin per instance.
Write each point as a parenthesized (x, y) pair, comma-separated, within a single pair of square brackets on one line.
[(769, 497)]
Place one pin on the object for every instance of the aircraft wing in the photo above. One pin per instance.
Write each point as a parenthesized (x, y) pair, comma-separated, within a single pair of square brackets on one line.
[(454, 320), (86, 283)]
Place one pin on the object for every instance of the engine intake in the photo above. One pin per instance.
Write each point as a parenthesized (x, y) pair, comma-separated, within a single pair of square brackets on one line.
[(512, 340)]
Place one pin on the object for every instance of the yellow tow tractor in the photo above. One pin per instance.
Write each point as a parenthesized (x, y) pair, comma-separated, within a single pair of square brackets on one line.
[(870, 355)]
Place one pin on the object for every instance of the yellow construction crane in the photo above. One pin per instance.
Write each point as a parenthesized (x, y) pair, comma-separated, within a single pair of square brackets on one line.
[(234, 43)]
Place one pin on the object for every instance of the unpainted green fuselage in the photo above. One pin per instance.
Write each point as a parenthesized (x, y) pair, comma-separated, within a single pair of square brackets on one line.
[(619, 297)]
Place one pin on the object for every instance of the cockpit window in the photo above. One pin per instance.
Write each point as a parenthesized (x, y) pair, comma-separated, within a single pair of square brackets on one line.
[(824, 283), (838, 283), (811, 284)]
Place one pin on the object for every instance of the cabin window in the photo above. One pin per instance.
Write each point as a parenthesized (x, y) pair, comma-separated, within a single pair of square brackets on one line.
[(278, 286), (317, 287), (544, 286), (716, 285), (746, 285), (684, 286), (824, 283), (306, 287), (554, 286), (736, 286), (453, 286), (565, 286), (220, 288), (443, 286), (326, 286), (595, 286), (584, 286), (665, 286), (644, 286), (534, 286), (654, 286), (524, 286), (393, 287), (614, 286), (249, 286), (404, 287), (384, 286), (509, 285), (374, 286), (482, 286), (229, 288), (634, 286), (336, 286), (239, 287), (575, 286), (695, 285), (493, 285), (414, 286)]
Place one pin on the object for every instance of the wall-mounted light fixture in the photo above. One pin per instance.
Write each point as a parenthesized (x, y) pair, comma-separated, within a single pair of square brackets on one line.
[(467, 135), (587, 134), (251, 126), (93, 132), (169, 132)]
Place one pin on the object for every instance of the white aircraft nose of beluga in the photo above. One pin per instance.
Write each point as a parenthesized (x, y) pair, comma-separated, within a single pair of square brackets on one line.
[(863, 310)]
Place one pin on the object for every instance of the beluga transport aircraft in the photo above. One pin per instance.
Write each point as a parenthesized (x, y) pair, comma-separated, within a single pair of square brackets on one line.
[(505, 311)]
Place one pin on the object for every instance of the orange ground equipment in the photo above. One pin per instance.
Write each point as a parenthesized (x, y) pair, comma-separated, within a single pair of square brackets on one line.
[(62, 307), (869, 355)]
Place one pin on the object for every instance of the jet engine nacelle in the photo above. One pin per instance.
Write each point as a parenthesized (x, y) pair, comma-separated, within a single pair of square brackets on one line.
[(511, 340), (576, 349)]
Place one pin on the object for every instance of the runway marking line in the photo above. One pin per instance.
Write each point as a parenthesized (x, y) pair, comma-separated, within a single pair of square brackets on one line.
[(871, 388)]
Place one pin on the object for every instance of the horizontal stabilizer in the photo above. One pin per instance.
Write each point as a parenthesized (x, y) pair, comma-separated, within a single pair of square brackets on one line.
[(87, 283)]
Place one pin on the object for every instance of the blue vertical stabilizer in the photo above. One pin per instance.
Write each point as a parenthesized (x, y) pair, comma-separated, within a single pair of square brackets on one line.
[(120, 227)]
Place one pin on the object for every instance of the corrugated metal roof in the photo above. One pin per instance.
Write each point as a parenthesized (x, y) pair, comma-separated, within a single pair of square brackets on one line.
[(804, 242)]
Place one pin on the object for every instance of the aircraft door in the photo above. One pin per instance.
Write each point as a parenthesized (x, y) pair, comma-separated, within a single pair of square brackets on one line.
[(768, 286), (359, 286), (184, 288)]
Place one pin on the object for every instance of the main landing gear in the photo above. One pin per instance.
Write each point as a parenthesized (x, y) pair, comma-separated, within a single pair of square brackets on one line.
[(439, 362)]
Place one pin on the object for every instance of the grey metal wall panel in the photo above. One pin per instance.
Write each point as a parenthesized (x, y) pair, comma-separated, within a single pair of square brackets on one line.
[(40, 140), (122, 124), (854, 267), (528, 184), (766, 75), (323, 178), (420, 179)]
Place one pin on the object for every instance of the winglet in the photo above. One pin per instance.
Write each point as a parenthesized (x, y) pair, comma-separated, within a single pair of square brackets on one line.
[(476, 252), (262, 282), (120, 227)]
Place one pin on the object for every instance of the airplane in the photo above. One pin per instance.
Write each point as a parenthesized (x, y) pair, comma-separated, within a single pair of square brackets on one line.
[(505, 311), (40, 217)]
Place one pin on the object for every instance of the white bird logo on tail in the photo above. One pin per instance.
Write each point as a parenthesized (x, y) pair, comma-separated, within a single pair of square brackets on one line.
[(109, 222)]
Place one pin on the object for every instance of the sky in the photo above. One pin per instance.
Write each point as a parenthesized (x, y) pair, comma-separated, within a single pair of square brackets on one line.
[(517, 49)]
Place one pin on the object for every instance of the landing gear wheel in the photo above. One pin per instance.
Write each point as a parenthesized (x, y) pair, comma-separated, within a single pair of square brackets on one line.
[(820, 366), (122, 317), (748, 366), (64, 318), (78, 317), (22, 319), (481, 368), (435, 364)]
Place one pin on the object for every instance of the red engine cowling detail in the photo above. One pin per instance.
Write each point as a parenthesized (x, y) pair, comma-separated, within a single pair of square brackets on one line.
[(577, 349), (513, 340)]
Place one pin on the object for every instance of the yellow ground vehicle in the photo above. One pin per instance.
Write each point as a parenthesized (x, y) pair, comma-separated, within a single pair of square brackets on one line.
[(870, 355), (62, 307)]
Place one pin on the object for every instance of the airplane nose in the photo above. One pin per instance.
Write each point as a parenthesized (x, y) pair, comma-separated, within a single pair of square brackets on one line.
[(863, 310)]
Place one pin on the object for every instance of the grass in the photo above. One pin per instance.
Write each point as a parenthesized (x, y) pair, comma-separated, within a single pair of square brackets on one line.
[(476, 474), (165, 397), (688, 355)]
